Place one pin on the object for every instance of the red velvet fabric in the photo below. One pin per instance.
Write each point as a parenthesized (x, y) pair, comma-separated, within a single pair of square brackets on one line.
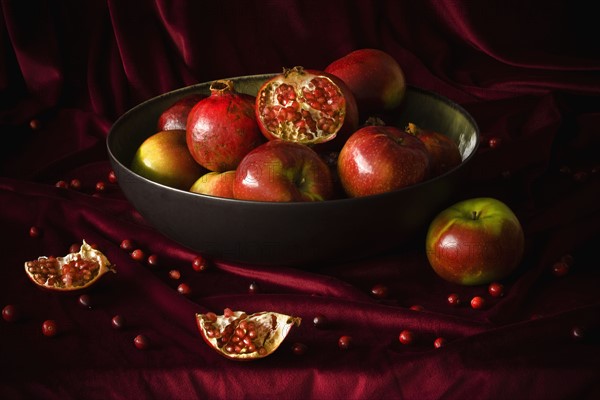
[(529, 74)]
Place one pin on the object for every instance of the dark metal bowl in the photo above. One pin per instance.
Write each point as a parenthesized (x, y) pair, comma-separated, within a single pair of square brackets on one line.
[(291, 234)]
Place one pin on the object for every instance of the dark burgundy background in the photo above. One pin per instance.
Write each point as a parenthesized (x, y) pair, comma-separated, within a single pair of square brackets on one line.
[(530, 75)]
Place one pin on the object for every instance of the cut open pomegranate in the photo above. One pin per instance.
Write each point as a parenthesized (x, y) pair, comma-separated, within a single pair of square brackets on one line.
[(74, 271), (242, 336), (305, 106)]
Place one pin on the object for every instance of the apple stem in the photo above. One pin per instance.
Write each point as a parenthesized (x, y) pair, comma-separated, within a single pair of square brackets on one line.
[(475, 215)]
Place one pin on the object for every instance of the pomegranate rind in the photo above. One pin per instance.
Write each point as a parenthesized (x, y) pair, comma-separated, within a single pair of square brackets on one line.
[(272, 329), (86, 252), (300, 121)]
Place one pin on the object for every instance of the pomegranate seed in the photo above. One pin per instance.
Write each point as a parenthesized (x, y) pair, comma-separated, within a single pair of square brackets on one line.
[(578, 333), (138, 255), (477, 303), (494, 142), (112, 177), (74, 248), (406, 337), (496, 289), (560, 269), (75, 184), (61, 184), (344, 342), (320, 321), (253, 288), (380, 291), (127, 245), (199, 264), (141, 342), (299, 349), (10, 313), (86, 301), (454, 300), (152, 260), (174, 274), (184, 289), (35, 124), (439, 342), (118, 322), (35, 232), (49, 328), (100, 186), (417, 307), (228, 312)]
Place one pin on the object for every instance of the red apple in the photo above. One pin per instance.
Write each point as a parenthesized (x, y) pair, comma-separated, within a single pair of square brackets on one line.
[(379, 159), (215, 184), (443, 151), (282, 171), (164, 158), (475, 241), (374, 77), (175, 116)]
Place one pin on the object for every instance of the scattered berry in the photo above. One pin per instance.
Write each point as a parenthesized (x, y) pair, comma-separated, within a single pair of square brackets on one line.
[(578, 333), (35, 232), (380, 291), (75, 184), (152, 260), (496, 289), (86, 301), (320, 321), (406, 337), (477, 303), (49, 328), (344, 342), (174, 274), (138, 255), (199, 264), (35, 124), (100, 186), (560, 269), (141, 342), (118, 322), (112, 177), (10, 313), (439, 342), (253, 288), (299, 349), (127, 245), (494, 142), (417, 307), (184, 289), (61, 184), (454, 300)]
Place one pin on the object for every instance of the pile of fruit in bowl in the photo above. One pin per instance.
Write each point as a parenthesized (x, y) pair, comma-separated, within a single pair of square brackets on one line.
[(299, 167)]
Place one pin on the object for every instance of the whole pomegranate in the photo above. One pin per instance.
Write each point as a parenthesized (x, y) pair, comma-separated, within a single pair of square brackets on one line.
[(222, 128), (307, 107), (374, 77)]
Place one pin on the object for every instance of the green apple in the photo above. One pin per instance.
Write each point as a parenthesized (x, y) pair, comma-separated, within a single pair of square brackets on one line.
[(164, 158), (214, 183), (475, 241)]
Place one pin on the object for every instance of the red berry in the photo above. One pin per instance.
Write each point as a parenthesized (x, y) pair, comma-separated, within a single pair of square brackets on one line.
[(417, 307), (578, 333), (174, 274), (199, 264), (138, 255), (61, 184), (320, 321), (35, 124), (299, 349), (184, 289), (127, 245), (74, 248), (10, 313), (439, 342), (477, 303), (152, 260), (253, 288), (35, 232), (560, 269), (454, 300), (75, 184), (380, 291), (112, 177), (406, 337), (85, 300), (141, 342), (49, 328), (494, 142), (344, 342), (118, 322), (100, 186), (496, 289)]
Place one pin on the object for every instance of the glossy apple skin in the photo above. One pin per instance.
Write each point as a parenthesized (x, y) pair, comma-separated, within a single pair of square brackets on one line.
[(175, 116), (282, 171), (380, 159), (374, 77), (475, 242), (164, 158), (213, 183)]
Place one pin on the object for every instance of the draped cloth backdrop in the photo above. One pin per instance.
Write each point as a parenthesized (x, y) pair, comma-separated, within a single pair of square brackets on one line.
[(528, 73)]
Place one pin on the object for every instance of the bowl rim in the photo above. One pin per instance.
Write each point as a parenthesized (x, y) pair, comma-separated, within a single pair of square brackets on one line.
[(190, 88)]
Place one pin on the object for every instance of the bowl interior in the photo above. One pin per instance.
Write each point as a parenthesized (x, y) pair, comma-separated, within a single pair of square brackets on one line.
[(297, 234)]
